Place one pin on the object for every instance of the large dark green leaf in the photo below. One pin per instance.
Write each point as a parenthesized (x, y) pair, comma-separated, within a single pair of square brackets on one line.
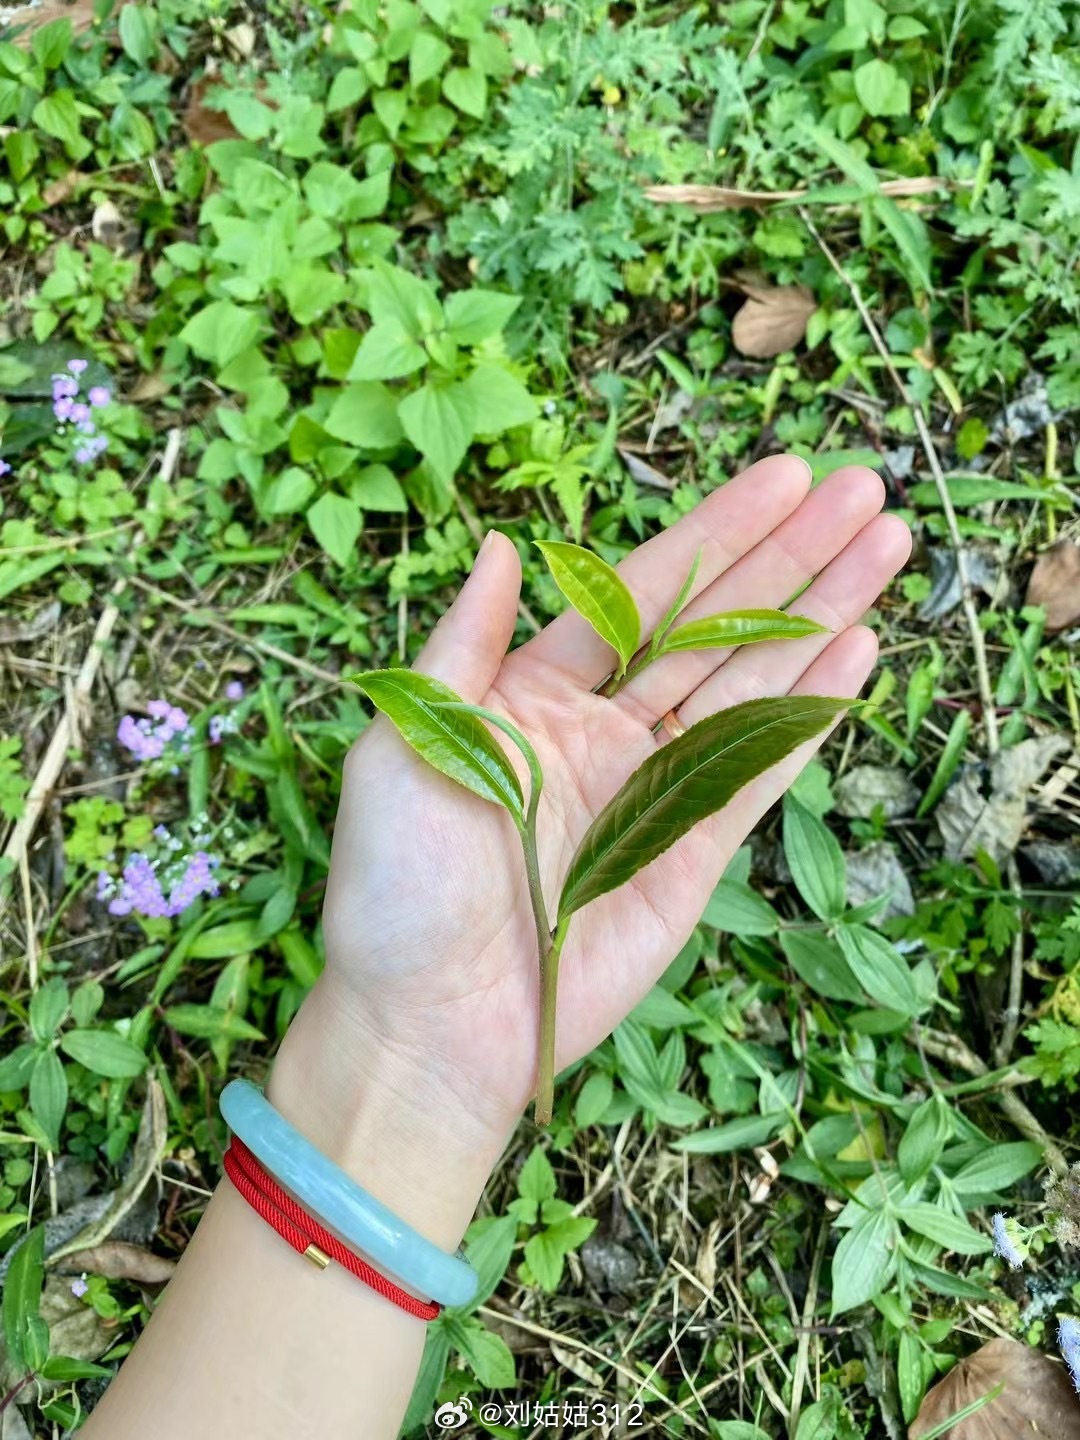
[(686, 781), (739, 627), (452, 741), (596, 593)]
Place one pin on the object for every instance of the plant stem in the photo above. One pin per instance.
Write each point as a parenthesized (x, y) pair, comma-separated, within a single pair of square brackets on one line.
[(549, 989), (616, 683), (532, 872)]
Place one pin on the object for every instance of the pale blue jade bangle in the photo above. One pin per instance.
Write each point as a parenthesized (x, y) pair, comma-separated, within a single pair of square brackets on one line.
[(338, 1201)]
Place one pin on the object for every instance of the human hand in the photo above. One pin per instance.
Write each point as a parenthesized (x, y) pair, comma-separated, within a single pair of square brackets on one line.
[(430, 995)]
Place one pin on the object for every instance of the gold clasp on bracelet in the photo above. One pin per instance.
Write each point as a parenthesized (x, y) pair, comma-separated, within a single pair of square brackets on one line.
[(317, 1257)]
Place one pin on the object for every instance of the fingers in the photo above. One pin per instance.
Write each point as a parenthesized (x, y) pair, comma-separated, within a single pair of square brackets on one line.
[(728, 523), (468, 644), (778, 567), (843, 592)]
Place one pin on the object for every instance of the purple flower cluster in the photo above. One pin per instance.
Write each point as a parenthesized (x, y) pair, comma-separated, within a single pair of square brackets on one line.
[(5, 468), (145, 888), (227, 724), (147, 738), (69, 409)]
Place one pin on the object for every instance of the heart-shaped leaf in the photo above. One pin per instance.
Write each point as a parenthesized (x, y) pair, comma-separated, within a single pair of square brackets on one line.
[(596, 593), (740, 627), (686, 781), (452, 741)]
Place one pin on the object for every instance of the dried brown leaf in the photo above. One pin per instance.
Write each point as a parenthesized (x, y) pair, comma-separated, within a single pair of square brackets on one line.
[(1038, 1399), (642, 471), (57, 191), (706, 199), (27, 18), (1055, 583), (120, 1260), (202, 125), (772, 319)]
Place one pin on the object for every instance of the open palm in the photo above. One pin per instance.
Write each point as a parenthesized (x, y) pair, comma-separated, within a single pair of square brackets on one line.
[(428, 924)]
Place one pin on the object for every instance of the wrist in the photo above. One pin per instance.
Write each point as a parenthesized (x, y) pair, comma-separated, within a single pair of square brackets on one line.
[(385, 1115)]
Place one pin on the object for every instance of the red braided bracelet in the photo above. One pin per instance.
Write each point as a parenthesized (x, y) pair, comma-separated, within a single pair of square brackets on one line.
[(305, 1234)]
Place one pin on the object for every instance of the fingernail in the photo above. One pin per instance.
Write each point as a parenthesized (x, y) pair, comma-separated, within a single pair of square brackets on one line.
[(489, 540), (806, 463)]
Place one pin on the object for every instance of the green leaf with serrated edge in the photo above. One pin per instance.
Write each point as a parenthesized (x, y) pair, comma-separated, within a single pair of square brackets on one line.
[(454, 742), (739, 627), (945, 1228), (677, 604), (865, 1260), (22, 1292), (686, 781), (596, 593)]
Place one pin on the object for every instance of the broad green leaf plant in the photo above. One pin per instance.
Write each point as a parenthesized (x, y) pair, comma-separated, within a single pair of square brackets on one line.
[(683, 782)]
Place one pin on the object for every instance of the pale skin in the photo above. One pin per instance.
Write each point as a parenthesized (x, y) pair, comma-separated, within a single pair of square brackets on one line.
[(415, 1055)]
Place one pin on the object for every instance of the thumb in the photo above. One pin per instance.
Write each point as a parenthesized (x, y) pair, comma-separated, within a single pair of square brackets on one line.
[(468, 644)]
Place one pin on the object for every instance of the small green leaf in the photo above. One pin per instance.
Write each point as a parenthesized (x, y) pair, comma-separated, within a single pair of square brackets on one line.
[(210, 1022), (387, 352), (452, 741), (881, 89), (475, 315), (427, 56), (365, 414), (740, 627), (865, 1260), (739, 910), (22, 1293), (816, 860), (593, 1099), (820, 963), (596, 592), (742, 1133), (685, 782), (438, 419), (945, 1228), (488, 1355), (49, 1094), (220, 331), (498, 400), (680, 599), (879, 968), (336, 522), (536, 1180), (924, 1139), (376, 487), (16, 1068), (137, 32), (467, 89), (48, 1006), (104, 1052), (998, 1168)]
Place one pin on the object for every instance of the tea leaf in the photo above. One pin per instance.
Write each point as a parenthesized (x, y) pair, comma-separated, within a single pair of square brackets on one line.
[(686, 781), (596, 593), (452, 741), (677, 604), (740, 627)]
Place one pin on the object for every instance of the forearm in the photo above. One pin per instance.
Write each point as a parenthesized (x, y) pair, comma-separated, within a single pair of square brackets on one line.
[(252, 1339)]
